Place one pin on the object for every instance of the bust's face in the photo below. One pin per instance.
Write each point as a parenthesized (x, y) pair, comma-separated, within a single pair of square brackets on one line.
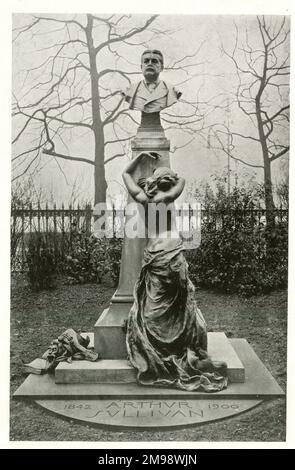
[(151, 66)]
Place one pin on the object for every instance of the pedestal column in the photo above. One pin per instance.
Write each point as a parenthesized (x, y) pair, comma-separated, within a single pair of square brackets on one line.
[(150, 138), (109, 338)]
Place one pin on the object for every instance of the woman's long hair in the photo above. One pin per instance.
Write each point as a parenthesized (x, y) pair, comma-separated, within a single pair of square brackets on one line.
[(162, 180)]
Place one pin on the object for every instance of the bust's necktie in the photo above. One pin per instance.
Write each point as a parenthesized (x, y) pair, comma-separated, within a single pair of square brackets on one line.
[(151, 86)]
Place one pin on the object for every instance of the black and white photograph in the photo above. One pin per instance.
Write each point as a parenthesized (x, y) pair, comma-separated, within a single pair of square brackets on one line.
[(149, 226)]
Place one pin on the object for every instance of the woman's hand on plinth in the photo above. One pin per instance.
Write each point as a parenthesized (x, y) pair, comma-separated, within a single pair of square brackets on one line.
[(153, 155)]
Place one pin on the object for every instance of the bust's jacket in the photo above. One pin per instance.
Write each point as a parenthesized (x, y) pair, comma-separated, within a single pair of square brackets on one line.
[(164, 89)]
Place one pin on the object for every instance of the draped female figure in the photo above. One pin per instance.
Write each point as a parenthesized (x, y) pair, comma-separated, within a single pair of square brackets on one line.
[(166, 332)]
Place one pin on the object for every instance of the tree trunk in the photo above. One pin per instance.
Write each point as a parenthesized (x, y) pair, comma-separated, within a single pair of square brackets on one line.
[(100, 185), (268, 192)]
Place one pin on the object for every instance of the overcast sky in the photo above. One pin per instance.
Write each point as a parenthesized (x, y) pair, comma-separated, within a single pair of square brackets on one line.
[(213, 75)]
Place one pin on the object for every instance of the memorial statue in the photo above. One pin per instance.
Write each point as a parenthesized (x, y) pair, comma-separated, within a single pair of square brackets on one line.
[(151, 95), (166, 332)]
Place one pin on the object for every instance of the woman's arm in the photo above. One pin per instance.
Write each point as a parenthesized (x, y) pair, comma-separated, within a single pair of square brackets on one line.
[(133, 163), (133, 188), (171, 194), (136, 191)]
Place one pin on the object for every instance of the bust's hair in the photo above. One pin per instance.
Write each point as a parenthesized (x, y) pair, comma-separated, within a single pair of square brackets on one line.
[(154, 51)]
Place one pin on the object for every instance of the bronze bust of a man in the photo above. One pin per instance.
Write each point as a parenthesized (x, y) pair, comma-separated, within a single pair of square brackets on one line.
[(151, 95)]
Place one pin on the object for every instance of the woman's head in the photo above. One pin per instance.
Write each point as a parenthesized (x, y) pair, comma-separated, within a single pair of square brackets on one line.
[(163, 179)]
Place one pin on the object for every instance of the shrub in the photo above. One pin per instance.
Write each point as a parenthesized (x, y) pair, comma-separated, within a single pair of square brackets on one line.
[(113, 258), (237, 253), (239, 261), (40, 258), (85, 261), (91, 259)]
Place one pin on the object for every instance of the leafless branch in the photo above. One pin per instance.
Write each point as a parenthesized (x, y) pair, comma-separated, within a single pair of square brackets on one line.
[(280, 154), (68, 157), (56, 20), (117, 155), (128, 35)]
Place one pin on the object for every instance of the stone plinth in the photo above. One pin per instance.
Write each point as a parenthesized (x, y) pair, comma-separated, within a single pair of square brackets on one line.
[(104, 371), (112, 370), (110, 343), (109, 336), (220, 349), (150, 137)]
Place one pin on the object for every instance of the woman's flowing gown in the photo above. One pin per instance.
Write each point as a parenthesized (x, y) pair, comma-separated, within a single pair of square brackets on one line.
[(166, 332)]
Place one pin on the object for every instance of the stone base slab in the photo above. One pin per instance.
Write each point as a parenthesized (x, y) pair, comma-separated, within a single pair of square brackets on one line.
[(150, 414), (259, 383)]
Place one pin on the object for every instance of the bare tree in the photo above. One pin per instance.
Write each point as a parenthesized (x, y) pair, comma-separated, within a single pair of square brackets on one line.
[(262, 95), (76, 87)]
